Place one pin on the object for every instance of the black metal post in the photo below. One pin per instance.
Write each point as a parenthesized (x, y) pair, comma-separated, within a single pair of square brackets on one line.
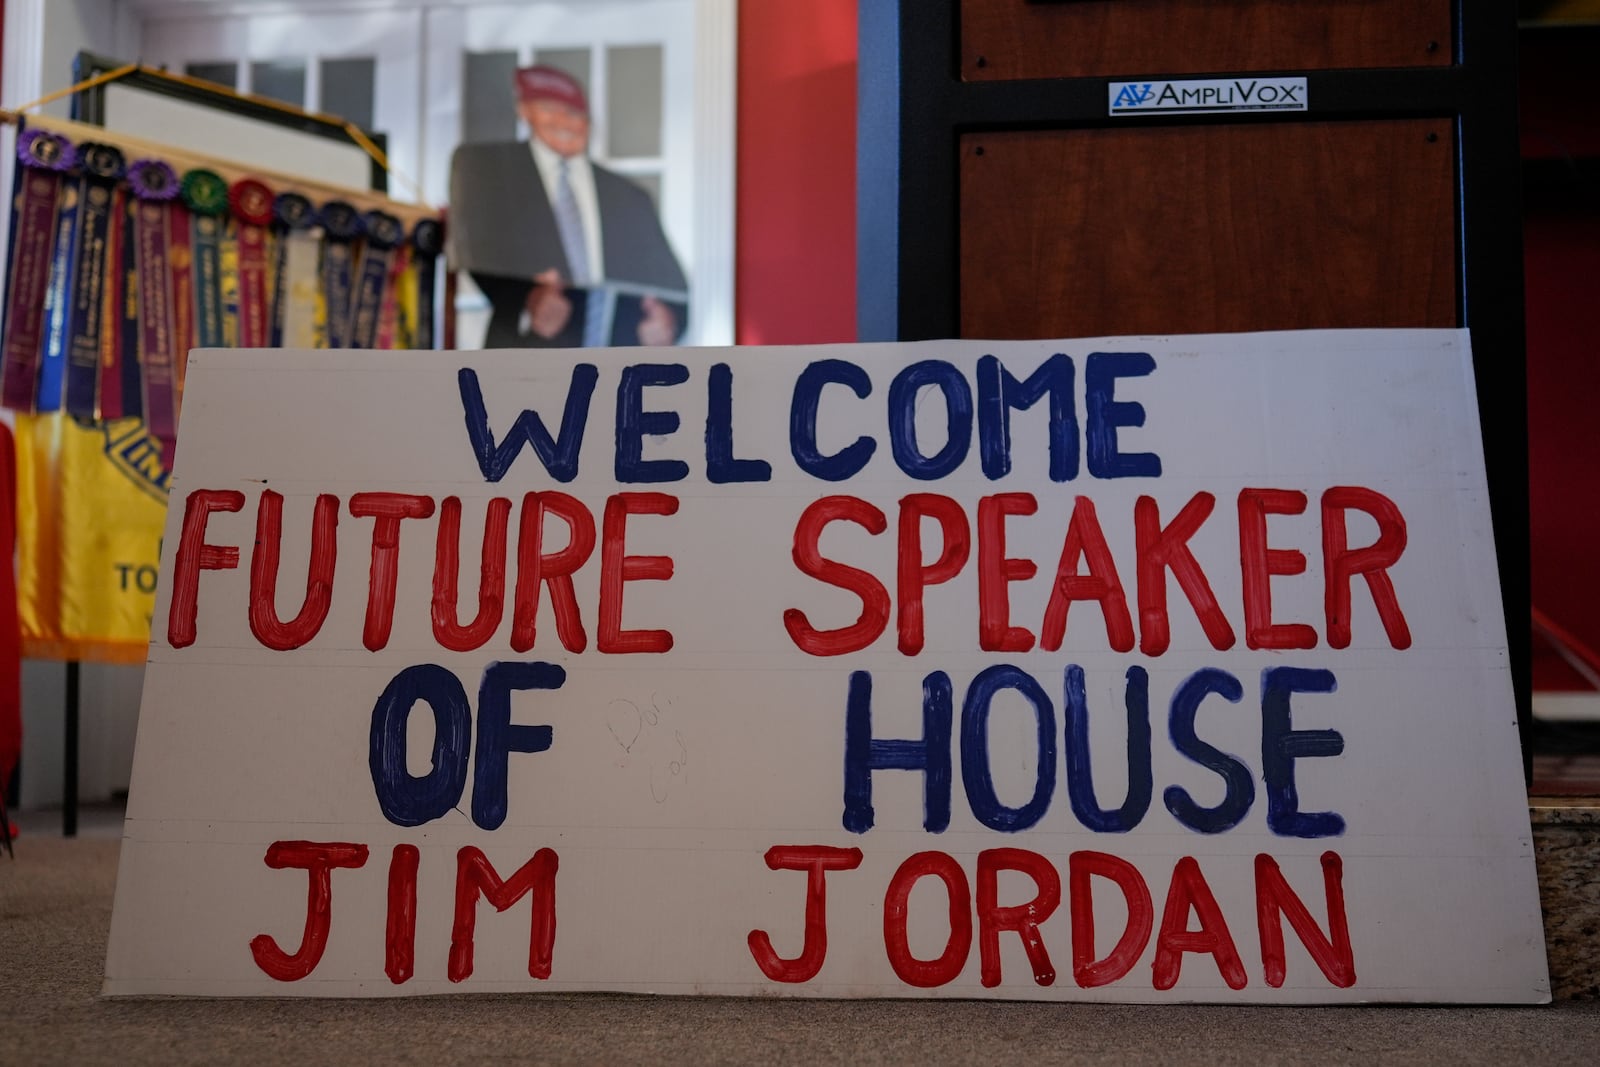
[(5, 824), (69, 775)]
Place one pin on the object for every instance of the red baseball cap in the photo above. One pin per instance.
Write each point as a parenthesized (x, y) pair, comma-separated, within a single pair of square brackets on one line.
[(549, 83)]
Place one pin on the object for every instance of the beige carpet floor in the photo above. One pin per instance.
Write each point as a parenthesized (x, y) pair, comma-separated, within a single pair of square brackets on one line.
[(55, 909)]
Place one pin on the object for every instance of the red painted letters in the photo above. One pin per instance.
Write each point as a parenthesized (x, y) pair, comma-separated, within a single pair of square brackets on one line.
[(319, 860), (815, 860)]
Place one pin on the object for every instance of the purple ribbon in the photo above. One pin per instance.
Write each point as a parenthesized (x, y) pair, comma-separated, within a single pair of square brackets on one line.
[(153, 180), (155, 184)]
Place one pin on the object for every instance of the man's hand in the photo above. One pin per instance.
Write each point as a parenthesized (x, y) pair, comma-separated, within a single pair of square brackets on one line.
[(659, 326), (548, 307)]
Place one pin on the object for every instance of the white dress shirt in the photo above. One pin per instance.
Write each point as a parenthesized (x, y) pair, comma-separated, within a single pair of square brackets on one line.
[(581, 176)]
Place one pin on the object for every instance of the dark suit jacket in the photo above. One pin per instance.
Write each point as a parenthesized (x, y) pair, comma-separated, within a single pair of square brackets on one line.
[(503, 231)]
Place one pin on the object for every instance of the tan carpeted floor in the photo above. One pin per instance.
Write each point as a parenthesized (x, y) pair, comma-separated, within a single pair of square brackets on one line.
[(55, 908)]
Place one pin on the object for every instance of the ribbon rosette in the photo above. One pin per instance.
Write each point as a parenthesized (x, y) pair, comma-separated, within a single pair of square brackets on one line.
[(43, 150), (153, 180), (341, 224), (101, 162), (293, 212), (341, 221), (204, 192)]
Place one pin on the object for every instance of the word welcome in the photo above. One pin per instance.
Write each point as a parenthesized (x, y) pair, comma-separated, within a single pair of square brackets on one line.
[(998, 393)]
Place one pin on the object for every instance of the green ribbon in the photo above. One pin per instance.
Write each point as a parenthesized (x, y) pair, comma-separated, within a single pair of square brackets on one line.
[(205, 193)]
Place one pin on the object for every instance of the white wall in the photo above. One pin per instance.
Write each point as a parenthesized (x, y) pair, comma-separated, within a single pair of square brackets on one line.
[(108, 701), (72, 26)]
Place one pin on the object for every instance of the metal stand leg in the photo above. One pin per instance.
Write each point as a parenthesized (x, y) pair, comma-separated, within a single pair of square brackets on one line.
[(69, 776), (5, 823)]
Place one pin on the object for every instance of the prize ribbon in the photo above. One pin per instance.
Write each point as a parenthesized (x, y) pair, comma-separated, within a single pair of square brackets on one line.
[(384, 234), (122, 387), (88, 325), (341, 225), (154, 186), (63, 262), (293, 217), (108, 399), (44, 156), (205, 194), (252, 212)]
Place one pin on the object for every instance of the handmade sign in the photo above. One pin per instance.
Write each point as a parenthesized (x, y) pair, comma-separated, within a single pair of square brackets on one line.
[(1120, 669)]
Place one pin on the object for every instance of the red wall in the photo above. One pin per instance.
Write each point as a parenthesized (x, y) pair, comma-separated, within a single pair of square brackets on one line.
[(796, 265), (1561, 248)]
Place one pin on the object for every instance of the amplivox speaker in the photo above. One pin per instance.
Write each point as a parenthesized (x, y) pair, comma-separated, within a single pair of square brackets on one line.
[(1075, 168)]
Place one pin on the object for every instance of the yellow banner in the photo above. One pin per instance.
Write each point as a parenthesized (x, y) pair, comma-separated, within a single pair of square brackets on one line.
[(91, 504)]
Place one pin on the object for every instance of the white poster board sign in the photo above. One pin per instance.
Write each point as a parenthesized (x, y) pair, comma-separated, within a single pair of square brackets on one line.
[(1141, 669)]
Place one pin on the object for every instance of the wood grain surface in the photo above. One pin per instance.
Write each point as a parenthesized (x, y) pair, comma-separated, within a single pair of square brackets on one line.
[(1002, 39), (1163, 230)]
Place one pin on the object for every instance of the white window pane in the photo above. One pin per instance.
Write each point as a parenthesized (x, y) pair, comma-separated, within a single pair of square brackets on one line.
[(347, 88), (575, 61), (633, 101), (283, 79), (489, 108), (224, 74)]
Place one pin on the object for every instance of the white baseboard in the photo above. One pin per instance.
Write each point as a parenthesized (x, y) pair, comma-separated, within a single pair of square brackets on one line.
[(1567, 707)]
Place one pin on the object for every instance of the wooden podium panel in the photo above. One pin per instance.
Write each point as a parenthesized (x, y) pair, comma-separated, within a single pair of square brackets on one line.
[(1002, 39), (1198, 229)]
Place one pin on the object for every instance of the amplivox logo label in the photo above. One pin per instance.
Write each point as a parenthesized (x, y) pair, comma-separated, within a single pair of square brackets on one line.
[(1209, 95)]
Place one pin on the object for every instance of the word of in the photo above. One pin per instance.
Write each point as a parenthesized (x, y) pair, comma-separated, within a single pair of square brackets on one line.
[(407, 800)]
